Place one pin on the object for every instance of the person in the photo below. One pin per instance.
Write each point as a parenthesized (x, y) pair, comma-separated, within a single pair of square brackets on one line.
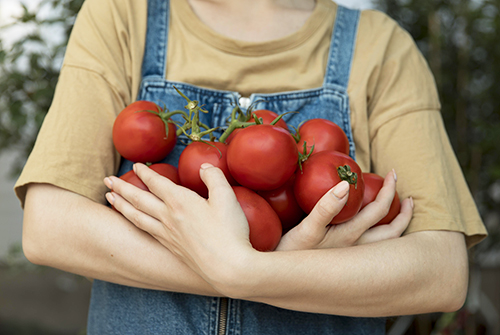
[(175, 263)]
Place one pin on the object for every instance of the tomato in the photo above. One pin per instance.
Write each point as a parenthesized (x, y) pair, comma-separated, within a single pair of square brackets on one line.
[(324, 135), (262, 157), (166, 170), (197, 153), (267, 117), (319, 174), (283, 201), (140, 136), (264, 224), (373, 184)]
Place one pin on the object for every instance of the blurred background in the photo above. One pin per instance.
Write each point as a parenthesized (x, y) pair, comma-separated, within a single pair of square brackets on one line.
[(460, 41)]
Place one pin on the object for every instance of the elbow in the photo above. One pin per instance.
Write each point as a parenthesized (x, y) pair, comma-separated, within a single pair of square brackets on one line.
[(454, 303), (34, 248), (35, 228), (447, 276), (443, 294), (31, 250), (456, 294), (456, 282)]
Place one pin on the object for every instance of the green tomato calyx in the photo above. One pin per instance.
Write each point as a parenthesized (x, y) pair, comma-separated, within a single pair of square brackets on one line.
[(346, 174)]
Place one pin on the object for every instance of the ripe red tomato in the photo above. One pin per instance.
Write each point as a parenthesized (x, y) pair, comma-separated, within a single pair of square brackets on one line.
[(264, 224), (319, 174), (324, 135), (197, 153), (283, 201), (267, 117), (164, 169), (262, 157), (140, 136), (373, 184)]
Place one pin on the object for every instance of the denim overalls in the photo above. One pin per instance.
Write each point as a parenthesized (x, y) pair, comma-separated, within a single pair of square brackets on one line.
[(120, 310)]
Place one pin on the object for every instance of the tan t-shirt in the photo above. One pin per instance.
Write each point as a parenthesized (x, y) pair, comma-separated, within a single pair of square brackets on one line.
[(394, 104)]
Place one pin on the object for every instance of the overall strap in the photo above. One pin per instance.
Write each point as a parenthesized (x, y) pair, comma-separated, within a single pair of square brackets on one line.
[(155, 52), (342, 47)]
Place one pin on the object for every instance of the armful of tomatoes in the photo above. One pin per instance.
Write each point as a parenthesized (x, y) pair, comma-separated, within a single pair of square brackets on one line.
[(297, 190)]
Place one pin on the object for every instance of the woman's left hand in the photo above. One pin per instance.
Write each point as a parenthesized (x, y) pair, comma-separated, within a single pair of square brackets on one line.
[(209, 235), (316, 232)]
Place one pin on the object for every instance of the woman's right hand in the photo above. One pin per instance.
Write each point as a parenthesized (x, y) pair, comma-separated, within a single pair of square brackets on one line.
[(316, 232)]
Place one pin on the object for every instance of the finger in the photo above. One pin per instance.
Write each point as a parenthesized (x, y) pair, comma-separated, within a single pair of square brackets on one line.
[(386, 194), (160, 186), (219, 188), (392, 230), (315, 225), (378, 209), (139, 219), (143, 201)]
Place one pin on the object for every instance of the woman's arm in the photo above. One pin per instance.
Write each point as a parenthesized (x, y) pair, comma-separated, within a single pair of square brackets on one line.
[(64, 230), (70, 232), (419, 273), (423, 272)]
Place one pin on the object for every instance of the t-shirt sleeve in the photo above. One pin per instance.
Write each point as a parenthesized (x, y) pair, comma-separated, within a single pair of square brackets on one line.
[(417, 147), (74, 148), (407, 133)]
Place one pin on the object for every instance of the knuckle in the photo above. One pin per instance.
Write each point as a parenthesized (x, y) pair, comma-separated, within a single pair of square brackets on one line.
[(135, 199), (309, 237), (147, 180), (327, 208), (382, 209), (324, 210), (395, 233), (137, 220), (351, 238), (176, 206)]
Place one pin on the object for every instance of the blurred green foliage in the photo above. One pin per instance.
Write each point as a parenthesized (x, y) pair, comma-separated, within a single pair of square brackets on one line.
[(29, 69), (460, 41)]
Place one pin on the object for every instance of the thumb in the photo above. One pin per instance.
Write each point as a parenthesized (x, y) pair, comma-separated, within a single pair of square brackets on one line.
[(328, 206), (216, 182)]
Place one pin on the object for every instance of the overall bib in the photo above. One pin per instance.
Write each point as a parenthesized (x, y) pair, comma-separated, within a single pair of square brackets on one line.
[(121, 310)]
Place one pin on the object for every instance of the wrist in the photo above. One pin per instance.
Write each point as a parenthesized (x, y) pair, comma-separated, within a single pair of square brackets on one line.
[(238, 277)]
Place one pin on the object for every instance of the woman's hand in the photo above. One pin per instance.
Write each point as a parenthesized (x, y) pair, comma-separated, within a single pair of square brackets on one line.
[(209, 235), (315, 232)]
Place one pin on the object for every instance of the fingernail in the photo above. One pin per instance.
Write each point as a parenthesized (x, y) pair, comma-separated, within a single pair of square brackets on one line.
[(108, 182), (206, 166), (110, 197), (134, 167), (341, 190), (411, 202), (395, 175)]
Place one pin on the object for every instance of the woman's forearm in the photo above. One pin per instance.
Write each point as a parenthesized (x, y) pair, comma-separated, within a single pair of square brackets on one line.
[(419, 273), (422, 272), (64, 230)]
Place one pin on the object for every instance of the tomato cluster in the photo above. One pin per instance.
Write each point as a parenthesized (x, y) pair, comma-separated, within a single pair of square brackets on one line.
[(278, 177)]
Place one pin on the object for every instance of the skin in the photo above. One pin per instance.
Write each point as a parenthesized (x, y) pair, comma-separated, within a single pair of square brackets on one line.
[(253, 21), (211, 237), (67, 231)]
